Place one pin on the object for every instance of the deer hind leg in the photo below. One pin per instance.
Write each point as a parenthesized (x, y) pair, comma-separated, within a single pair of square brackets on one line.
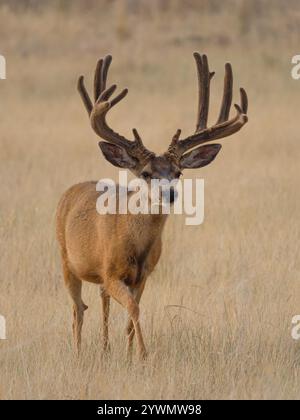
[(105, 314), (137, 294), (121, 294), (74, 286)]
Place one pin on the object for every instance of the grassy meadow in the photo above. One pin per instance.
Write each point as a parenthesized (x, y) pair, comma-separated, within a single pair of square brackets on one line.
[(216, 313)]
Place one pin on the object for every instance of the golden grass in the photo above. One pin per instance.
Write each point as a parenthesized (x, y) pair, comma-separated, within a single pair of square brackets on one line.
[(216, 314)]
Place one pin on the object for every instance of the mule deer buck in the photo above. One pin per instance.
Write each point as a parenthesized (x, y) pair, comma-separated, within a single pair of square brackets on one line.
[(118, 252)]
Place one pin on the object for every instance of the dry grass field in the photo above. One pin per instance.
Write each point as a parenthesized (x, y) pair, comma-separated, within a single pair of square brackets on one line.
[(216, 313)]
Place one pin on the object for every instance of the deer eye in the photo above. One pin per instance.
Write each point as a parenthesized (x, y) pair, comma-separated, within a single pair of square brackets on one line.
[(146, 175)]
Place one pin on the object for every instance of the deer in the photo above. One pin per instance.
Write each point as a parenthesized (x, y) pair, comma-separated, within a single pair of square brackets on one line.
[(118, 252)]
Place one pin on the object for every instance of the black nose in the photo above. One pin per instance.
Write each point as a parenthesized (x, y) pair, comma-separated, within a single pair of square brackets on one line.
[(172, 195)]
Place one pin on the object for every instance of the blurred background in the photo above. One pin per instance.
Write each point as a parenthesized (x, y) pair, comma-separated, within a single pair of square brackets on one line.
[(217, 312)]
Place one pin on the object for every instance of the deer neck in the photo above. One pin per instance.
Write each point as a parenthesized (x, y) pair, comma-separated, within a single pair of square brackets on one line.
[(151, 223), (145, 229)]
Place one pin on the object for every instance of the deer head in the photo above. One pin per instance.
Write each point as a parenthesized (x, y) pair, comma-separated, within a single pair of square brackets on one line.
[(182, 153)]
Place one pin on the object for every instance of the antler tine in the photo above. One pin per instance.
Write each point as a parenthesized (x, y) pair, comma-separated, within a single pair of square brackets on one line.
[(84, 95), (227, 94), (119, 97), (97, 79), (204, 77), (100, 77), (244, 100), (174, 142), (172, 149), (137, 137), (106, 63), (106, 94)]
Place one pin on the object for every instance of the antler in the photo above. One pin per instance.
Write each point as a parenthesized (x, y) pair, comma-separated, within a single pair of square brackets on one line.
[(102, 105), (224, 127)]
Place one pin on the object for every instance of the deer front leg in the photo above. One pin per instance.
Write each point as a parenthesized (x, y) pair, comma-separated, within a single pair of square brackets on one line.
[(121, 294), (105, 314), (137, 294)]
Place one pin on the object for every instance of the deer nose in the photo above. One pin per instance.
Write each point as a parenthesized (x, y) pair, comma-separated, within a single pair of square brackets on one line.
[(172, 195), (169, 195)]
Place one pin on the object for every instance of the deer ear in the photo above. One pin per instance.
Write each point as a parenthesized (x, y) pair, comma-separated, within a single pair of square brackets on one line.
[(201, 156), (117, 156)]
